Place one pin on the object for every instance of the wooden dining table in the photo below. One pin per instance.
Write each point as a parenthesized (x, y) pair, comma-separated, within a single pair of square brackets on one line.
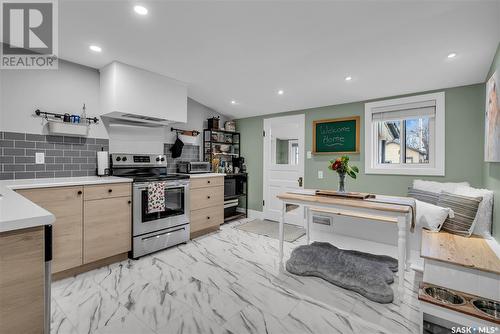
[(382, 209)]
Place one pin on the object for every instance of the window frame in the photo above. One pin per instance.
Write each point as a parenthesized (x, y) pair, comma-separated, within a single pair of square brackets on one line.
[(436, 166)]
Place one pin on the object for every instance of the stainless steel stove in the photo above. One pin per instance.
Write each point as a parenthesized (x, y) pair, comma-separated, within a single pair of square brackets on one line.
[(154, 231)]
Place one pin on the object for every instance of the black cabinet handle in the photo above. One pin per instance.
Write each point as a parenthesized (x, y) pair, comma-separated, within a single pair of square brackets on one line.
[(110, 190), (208, 217), (208, 181), (79, 192), (129, 202), (208, 197)]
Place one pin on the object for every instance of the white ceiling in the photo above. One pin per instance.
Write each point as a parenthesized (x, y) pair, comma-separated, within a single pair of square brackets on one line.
[(248, 50)]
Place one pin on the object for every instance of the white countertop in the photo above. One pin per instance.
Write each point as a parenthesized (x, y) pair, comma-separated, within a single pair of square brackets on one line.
[(17, 212), (199, 175)]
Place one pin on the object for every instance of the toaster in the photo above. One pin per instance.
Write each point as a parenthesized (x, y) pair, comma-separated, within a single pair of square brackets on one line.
[(193, 167)]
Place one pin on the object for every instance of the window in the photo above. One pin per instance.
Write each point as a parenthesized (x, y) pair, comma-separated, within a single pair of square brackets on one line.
[(405, 136), (287, 152)]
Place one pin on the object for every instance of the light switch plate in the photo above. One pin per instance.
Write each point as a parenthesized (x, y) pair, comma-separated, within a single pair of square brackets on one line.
[(320, 174), (39, 158), (309, 155)]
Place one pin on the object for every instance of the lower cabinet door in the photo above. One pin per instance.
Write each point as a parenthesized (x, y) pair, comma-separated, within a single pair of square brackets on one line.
[(206, 218), (66, 204), (22, 281), (107, 228)]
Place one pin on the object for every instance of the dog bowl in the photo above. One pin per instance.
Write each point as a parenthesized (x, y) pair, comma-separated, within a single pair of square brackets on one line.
[(489, 307), (444, 296)]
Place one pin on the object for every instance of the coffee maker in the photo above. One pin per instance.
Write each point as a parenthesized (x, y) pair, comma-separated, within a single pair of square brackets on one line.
[(239, 163)]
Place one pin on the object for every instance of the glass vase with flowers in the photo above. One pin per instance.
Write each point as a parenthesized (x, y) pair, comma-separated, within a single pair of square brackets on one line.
[(342, 167)]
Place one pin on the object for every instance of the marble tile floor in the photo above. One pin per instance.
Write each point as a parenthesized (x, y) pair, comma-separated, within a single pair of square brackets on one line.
[(225, 282)]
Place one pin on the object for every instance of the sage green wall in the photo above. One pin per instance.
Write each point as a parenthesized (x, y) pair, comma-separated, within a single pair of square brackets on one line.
[(491, 174), (464, 143)]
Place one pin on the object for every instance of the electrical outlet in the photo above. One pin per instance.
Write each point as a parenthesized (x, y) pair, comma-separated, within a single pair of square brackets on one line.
[(309, 155), (320, 174), (39, 158)]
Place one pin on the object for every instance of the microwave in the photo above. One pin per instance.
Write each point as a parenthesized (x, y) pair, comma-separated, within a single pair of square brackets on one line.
[(193, 167)]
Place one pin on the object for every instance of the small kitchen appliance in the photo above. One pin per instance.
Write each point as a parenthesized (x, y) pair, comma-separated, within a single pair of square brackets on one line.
[(193, 167), (239, 163), (159, 229)]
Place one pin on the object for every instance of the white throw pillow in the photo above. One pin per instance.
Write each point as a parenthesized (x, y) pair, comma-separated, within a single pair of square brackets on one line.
[(431, 216), (482, 222), (437, 187)]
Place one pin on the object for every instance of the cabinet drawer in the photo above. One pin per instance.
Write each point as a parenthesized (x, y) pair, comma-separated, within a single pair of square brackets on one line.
[(206, 197), (43, 196), (206, 182), (206, 218), (111, 190)]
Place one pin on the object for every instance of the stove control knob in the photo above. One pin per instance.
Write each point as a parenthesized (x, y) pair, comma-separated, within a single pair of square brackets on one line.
[(118, 158), (124, 159), (157, 158), (162, 159)]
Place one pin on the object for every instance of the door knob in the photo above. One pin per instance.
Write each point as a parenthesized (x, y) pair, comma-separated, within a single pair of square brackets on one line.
[(300, 180)]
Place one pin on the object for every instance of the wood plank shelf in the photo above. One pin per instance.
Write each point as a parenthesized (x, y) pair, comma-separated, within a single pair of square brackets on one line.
[(470, 252)]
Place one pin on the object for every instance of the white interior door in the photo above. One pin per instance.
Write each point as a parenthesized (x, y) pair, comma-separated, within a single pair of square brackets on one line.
[(283, 164)]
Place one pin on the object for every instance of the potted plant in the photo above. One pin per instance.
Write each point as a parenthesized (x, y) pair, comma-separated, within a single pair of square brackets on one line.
[(342, 167)]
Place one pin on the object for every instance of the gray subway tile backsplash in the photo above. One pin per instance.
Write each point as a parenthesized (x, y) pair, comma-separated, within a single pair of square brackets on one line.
[(14, 135), (25, 175), (189, 153), (6, 143), (35, 137), (64, 156)]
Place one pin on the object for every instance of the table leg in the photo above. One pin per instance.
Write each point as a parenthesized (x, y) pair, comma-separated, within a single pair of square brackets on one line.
[(281, 232), (408, 248), (307, 221), (401, 256)]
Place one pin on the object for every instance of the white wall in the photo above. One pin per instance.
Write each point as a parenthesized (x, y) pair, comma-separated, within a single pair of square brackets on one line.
[(65, 90), (61, 91)]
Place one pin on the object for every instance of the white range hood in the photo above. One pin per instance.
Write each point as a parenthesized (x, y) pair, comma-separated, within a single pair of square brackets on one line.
[(133, 96)]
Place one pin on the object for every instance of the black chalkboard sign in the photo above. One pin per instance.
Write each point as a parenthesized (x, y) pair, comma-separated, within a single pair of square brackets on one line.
[(339, 135)]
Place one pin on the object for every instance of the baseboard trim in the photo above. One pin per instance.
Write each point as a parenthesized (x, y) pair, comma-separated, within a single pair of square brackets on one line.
[(89, 266), (255, 214)]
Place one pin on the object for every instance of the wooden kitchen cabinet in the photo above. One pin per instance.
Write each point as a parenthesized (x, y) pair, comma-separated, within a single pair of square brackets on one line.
[(93, 223), (102, 191), (206, 204), (203, 182), (207, 197), (22, 281), (66, 204), (107, 227)]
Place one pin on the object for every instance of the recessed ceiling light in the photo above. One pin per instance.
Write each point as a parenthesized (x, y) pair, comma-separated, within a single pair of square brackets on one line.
[(348, 78), (280, 92), (95, 48), (452, 55), (233, 102), (141, 10)]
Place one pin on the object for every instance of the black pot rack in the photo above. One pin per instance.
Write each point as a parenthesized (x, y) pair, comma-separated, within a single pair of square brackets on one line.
[(45, 114)]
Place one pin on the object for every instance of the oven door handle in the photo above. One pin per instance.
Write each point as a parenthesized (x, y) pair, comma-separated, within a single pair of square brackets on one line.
[(141, 188), (164, 233)]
